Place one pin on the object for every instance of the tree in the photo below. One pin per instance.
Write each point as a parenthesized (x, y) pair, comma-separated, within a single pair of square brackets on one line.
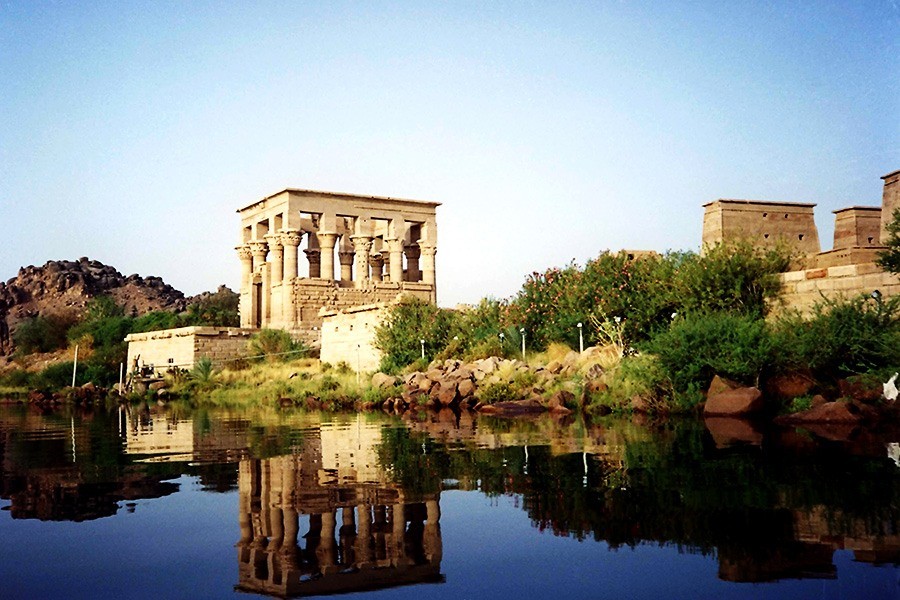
[(889, 259)]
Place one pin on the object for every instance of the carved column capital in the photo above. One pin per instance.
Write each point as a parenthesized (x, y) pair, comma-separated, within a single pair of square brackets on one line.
[(274, 242), (361, 243), (259, 248), (244, 252), (411, 251), (291, 237), (346, 257)]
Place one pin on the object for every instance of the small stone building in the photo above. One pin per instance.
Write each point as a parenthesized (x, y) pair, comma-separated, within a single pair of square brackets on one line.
[(183, 346), (349, 336)]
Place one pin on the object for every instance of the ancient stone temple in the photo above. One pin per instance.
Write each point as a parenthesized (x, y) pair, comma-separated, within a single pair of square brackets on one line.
[(847, 269), (303, 251)]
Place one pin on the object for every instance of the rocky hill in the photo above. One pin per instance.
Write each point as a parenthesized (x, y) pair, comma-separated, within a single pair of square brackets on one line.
[(63, 288)]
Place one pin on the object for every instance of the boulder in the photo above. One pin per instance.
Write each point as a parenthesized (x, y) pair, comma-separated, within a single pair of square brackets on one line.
[(740, 401), (595, 371), (561, 399), (465, 389), (434, 374), (830, 412), (790, 385), (157, 385), (721, 384), (382, 381), (727, 431), (447, 393), (861, 390), (514, 408), (554, 367)]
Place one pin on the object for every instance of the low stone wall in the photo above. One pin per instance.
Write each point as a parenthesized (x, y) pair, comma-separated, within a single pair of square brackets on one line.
[(349, 336), (801, 290), (183, 346)]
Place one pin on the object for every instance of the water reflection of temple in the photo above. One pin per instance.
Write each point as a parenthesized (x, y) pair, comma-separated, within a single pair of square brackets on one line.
[(326, 519)]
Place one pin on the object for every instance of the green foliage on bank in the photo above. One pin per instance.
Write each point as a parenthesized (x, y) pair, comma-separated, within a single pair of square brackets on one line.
[(100, 337), (680, 319)]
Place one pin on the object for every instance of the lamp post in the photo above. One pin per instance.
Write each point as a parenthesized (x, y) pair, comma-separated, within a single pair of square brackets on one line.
[(580, 338), (522, 331), (422, 343)]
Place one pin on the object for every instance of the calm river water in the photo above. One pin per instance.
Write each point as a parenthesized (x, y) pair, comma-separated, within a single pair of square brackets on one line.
[(173, 503)]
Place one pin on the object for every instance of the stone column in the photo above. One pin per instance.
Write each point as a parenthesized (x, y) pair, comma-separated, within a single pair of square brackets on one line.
[(398, 537), (326, 247), (361, 246), (376, 261), (259, 249), (428, 267), (290, 239), (245, 254), (313, 257), (327, 550), (277, 250), (246, 302), (412, 263), (346, 259), (395, 253)]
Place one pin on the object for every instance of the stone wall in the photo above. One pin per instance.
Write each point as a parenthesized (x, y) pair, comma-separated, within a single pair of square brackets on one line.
[(764, 224), (349, 336), (803, 289), (182, 347)]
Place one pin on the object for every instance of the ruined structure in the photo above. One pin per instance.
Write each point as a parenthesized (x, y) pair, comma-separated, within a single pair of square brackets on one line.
[(303, 250), (846, 270)]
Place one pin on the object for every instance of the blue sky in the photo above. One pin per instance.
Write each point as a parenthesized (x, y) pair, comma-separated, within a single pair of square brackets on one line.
[(130, 132)]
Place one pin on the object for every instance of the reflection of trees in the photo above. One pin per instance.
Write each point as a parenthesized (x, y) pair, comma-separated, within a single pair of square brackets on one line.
[(766, 512)]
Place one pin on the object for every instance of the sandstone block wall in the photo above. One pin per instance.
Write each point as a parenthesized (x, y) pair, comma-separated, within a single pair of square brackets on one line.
[(182, 347), (311, 297), (890, 201), (764, 224), (803, 289), (857, 226), (349, 336)]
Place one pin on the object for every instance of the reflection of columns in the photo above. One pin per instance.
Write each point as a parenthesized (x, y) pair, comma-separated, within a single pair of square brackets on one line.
[(412, 263), (313, 257), (361, 246), (326, 247), (398, 520), (395, 252), (376, 261), (326, 550), (346, 259), (277, 250), (364, 535), (432, 534), (291, 524), (347, 536), (290, 238)]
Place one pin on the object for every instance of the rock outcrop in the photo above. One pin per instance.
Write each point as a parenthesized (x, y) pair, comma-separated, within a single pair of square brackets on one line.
[(64, 287)]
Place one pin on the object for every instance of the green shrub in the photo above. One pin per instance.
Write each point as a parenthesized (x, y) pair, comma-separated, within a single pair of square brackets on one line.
[(734, 278), (408, 322), (58, 376), (843, 337), (497, 392), (697, 347), (275, 345), (41, 334)]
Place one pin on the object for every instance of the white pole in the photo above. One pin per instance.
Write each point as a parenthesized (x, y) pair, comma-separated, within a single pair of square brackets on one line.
[(422, 342), (75, 365), (580, 339), (522, 331), (121, 377)]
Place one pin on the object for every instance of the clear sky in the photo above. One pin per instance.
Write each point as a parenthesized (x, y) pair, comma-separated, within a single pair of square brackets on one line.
[(130, 132)]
